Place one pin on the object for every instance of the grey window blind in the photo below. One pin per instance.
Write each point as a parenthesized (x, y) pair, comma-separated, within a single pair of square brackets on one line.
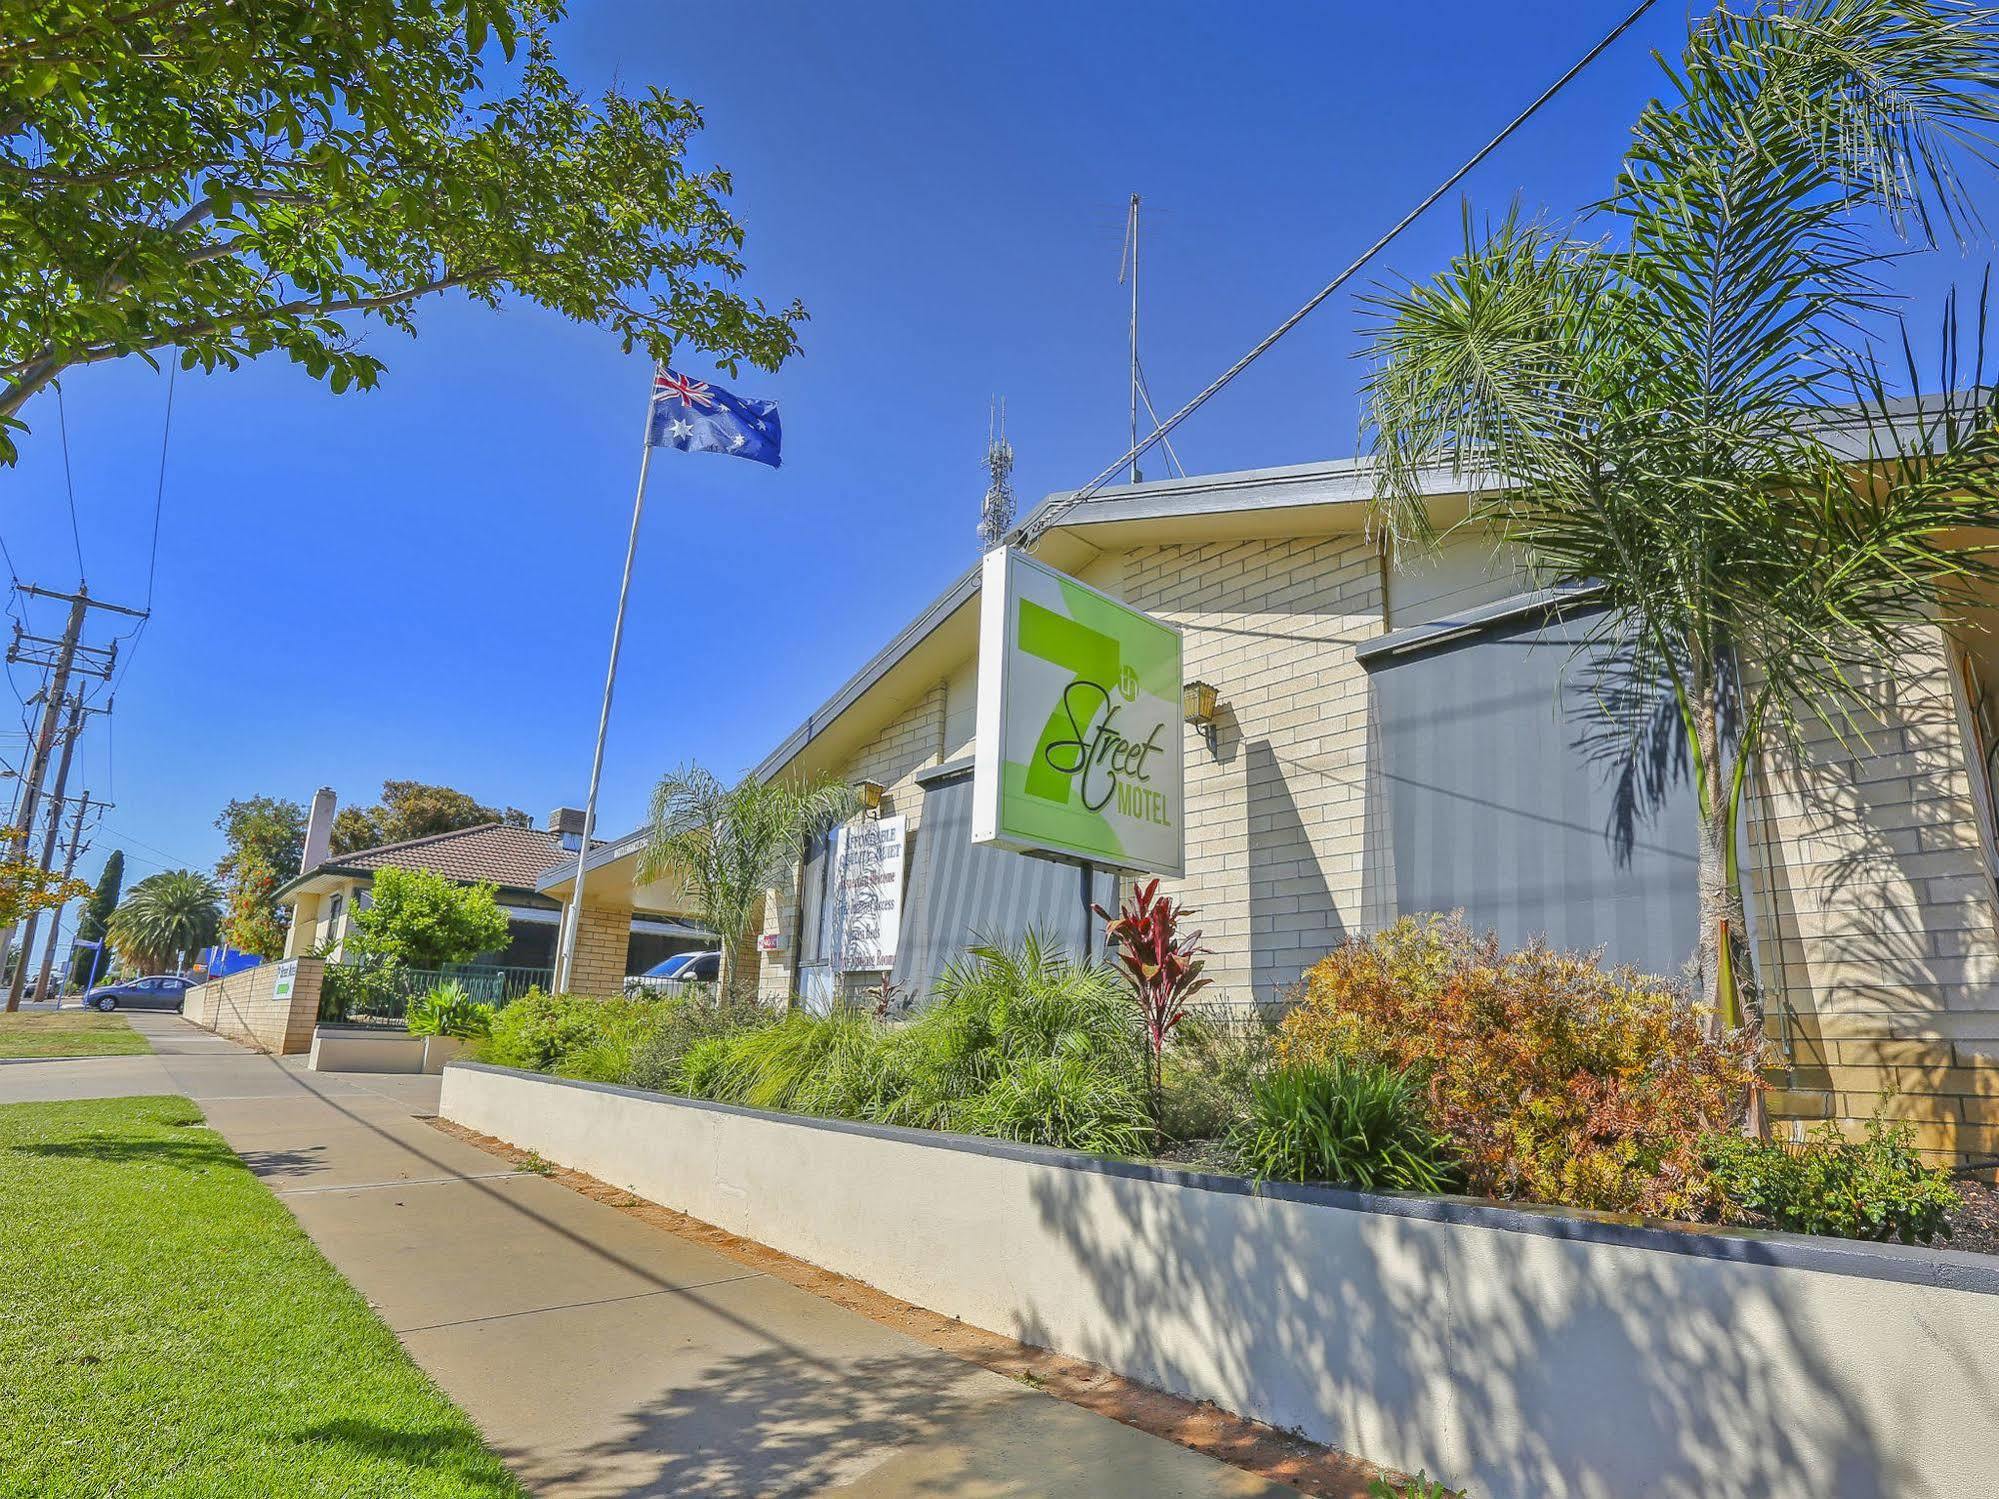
[(960, 893), (1497, 802)]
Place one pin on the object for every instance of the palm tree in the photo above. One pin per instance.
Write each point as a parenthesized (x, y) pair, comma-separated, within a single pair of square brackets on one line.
[(165, 917), (1635, 414), (730, 845)]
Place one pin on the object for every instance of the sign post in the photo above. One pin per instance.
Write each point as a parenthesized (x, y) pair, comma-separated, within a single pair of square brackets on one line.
[(1079, 754)]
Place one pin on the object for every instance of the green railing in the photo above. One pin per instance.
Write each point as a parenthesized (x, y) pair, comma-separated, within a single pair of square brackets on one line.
[(381, 996)]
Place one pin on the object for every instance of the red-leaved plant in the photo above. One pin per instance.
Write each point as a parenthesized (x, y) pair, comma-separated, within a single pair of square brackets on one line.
[(1162, 964)]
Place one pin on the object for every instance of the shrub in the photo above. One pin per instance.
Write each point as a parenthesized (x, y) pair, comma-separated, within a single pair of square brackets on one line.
[(1218, 1054), (659, 1055), (803, 1064), (419, 919), (1877, 1188), (1360, 1123), (448, 1010), (542, 1032), (1021, 1045), (1554, 1079), (1162, 964)]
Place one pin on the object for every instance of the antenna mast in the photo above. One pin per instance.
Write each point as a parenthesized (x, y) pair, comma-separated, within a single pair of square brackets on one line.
[(996, 519), (1129, 264)]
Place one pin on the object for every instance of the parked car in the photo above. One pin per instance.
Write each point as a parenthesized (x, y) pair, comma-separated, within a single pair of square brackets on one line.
[(163, 991), (670, 973)]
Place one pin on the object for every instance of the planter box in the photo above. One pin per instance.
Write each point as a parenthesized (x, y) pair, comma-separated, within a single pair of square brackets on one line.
[(1523, 1353), (365, 1048), (437, 1050)]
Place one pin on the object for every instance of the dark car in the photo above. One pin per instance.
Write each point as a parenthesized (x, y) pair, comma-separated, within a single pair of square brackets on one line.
[(165, 991)]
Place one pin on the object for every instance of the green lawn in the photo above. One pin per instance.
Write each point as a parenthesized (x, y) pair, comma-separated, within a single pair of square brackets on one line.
[(69, 1033), (166, 1328)]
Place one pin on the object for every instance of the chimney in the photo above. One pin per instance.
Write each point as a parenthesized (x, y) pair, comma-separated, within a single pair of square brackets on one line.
[(567, 824), (318, 829)]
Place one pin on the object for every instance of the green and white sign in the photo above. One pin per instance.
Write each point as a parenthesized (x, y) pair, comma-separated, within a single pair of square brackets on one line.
[(1079, 750)]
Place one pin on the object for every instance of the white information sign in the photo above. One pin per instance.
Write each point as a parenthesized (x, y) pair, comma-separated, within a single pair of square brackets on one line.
[(864, 895)]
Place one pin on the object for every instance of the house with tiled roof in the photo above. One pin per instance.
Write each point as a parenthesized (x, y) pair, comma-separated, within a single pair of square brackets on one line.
[(515, 858)]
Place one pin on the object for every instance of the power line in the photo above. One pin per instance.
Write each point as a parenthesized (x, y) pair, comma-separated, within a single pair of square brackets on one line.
[(1158, 434), (160, 486), (153, 552), (69, 479)]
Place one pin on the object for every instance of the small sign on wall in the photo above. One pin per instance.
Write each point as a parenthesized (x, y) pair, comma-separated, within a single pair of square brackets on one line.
[(771, 942), (283, 979)]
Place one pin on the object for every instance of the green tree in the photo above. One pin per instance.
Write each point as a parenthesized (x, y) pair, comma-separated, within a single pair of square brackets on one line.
[(1635, 412), (265, 838), (165, 918), (253, 921), (25, 886), (417, 919), (90, 928), (225, 180), (413, 809), (730, 845)]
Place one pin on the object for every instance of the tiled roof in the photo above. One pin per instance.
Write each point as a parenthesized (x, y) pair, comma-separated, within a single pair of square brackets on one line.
[(498, 852)]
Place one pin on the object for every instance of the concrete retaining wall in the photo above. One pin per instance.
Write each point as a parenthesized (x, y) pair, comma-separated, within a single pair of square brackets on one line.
[(272, 1007), (365, 1048), (1526, 1354)]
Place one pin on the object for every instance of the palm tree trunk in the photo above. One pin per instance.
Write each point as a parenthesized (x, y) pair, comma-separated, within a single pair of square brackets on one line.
[(1727, 979)]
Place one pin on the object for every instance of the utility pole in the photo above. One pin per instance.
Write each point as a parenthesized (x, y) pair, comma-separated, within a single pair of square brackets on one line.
[(63, 655), (69, 738), (76, 846)]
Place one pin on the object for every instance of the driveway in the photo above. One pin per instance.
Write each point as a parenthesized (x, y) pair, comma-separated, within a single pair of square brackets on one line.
[(602, 1355)]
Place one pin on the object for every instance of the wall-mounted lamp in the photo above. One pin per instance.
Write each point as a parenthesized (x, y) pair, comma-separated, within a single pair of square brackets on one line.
[(1197, 703), (871, 796)]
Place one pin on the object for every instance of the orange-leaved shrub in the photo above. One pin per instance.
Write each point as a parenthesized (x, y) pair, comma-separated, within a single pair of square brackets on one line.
[(1555, 1079)]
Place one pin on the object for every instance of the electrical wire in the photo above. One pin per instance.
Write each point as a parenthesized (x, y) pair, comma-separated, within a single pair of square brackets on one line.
[(160, 485), (69, 480), (131, 637), (1068, 502)]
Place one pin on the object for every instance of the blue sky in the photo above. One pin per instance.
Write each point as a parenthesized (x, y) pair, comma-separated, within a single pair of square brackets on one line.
[(419, 582)]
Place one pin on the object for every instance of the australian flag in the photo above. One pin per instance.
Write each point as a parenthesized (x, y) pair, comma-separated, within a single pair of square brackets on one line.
[(697, 417)]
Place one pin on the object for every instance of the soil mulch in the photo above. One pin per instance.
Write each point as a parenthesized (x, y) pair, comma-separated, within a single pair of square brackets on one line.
[(1975, 1226), (1251, 1446)]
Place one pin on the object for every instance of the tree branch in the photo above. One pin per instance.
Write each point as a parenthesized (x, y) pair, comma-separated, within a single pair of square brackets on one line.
[(29, 377)]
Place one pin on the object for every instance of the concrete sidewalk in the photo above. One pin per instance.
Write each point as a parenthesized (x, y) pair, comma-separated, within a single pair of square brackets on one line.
[(601, 1355)]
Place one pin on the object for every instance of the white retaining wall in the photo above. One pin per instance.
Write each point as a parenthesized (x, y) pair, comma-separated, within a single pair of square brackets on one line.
[(1524, 1354)]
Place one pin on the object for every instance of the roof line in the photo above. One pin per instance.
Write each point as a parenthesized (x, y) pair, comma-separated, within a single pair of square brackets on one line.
[(1165, 498)]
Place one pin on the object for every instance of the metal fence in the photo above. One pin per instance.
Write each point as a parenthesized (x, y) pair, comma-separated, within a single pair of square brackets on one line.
[(381, 996)]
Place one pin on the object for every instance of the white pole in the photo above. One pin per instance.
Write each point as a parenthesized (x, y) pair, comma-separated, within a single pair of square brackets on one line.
[(565, 955)]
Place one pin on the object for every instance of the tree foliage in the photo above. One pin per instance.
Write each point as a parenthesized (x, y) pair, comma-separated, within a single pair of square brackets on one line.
[(1644, 415), (270, 829), (90, 927), (254, 921), (226, 180), (729, 845), (25, 886), (165, 918), (418, 919), (265, 838), (413, 809)]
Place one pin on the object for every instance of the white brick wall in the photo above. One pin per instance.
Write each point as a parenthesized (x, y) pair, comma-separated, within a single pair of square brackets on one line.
[(1277, 810)]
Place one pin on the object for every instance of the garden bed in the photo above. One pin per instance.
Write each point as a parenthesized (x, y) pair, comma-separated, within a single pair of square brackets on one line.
[(1518, 1351)]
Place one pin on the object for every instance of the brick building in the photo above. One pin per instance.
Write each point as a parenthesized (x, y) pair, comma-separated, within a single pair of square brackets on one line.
[(1400, 734)]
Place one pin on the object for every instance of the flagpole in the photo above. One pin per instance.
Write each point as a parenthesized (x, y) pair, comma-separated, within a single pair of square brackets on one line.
[(565, 956)]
